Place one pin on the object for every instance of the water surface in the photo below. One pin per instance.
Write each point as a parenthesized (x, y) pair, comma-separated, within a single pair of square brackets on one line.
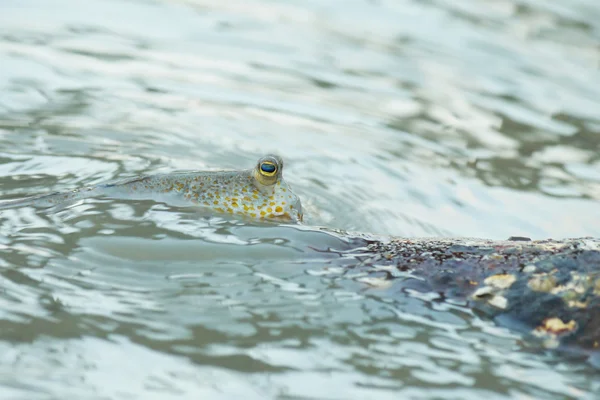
[(408, 118)]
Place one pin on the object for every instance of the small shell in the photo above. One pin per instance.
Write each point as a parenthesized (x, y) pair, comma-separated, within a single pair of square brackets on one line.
[(529, 269), (379, 283), (542, 283), (554, 326), (502, 281), (577, 304), (498, 302), (483, 292)]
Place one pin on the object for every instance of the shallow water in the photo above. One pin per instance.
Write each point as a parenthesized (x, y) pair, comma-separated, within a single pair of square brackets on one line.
[(424, 118)]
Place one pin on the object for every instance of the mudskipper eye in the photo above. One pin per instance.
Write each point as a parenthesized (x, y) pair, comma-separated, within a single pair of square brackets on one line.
[(268, 168)]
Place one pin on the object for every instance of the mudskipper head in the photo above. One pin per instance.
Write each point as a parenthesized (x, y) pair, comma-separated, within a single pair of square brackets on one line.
[(279, 200)]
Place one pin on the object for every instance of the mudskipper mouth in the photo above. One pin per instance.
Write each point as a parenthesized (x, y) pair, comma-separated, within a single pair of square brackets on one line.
[(300, 212)]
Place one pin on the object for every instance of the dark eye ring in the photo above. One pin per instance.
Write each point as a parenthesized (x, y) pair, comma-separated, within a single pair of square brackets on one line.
[(268, 168)]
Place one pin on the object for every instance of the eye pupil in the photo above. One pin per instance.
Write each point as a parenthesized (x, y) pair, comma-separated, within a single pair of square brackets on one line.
[(268, 168)]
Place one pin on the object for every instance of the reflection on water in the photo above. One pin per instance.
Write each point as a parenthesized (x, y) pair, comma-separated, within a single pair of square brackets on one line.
[(394, 117)]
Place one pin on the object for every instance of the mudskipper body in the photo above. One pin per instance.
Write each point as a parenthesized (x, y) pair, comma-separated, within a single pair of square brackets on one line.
[(259, 192)]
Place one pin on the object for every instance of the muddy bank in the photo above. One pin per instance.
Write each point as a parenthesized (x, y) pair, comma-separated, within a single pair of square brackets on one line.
[(548, 289)]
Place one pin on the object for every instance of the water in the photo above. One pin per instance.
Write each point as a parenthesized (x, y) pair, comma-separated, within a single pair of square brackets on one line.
[(422, 118)]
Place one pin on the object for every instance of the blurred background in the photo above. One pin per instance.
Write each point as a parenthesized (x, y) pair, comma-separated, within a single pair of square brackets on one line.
[(398, 117)]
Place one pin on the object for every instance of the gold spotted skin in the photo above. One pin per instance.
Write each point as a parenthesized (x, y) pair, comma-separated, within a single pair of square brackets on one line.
[(259, 193)]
